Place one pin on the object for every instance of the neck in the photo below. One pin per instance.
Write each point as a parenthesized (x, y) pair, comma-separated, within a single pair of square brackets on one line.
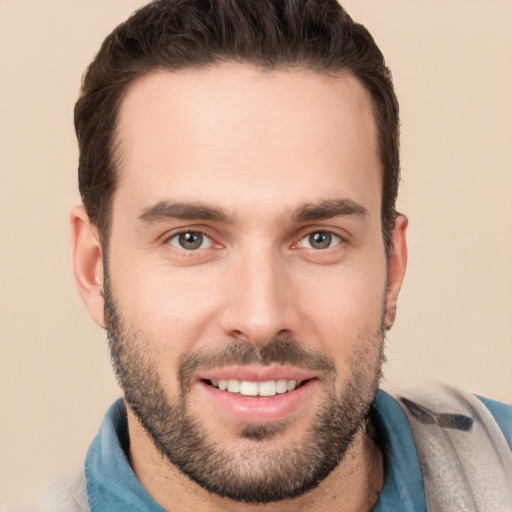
[(353, 486)]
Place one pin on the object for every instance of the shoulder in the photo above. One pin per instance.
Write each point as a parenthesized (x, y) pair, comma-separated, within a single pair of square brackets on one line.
[(69, 494), (439, 407), (462, 444), (502, 414), (444, 405)]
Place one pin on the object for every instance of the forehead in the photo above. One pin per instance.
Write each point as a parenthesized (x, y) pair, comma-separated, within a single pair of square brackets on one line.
[(226, 130)]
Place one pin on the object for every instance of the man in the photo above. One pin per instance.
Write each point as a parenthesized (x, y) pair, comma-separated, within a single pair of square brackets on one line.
[(239, 243)]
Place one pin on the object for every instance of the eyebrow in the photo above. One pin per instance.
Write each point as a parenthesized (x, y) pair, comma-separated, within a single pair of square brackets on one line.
[(200, 211), (185, 211), (329, 209)]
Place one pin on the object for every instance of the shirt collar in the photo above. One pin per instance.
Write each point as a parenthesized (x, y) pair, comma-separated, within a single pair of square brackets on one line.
[(403, 485), (111, 482)]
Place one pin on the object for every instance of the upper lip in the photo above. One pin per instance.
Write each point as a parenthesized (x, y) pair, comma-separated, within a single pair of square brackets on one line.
[(255, 373)]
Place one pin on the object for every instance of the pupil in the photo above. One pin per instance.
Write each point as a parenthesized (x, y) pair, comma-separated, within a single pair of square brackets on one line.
[(191, 240), (320, 240)]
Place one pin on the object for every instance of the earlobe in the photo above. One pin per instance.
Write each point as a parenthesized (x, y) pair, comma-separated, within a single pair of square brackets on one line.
[(87, 262), (397, 262)]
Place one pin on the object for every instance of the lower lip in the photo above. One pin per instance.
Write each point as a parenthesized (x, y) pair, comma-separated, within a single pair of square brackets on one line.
[(258, 410)]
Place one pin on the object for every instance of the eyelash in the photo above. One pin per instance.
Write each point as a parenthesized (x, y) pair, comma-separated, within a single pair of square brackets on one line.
[(184, 232), (331, 237), (205, 237)]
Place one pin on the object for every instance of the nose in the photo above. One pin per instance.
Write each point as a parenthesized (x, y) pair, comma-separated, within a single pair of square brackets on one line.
[(259, 301)]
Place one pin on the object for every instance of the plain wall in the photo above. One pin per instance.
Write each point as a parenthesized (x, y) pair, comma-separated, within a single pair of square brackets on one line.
[(451, 61)]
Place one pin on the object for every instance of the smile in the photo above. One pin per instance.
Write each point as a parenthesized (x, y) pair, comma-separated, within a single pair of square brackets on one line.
[(252, 388), (256, 401)]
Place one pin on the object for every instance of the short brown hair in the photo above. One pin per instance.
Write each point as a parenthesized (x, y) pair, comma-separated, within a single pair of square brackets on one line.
[(177, 34)]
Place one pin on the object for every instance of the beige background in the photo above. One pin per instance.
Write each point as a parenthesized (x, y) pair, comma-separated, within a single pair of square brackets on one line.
[(452, 65)]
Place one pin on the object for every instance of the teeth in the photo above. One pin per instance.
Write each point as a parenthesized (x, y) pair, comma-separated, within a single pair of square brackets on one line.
[(268, 388), (291, 385), (233, 386), (248, 388), (281, 386)]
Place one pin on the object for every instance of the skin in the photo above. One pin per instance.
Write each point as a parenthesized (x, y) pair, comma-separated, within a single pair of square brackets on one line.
[(258, 147)]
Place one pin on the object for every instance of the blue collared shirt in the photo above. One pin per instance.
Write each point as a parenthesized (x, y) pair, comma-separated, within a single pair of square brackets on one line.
[(113, 486)]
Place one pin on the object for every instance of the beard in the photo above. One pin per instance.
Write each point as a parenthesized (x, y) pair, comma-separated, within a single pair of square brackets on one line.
[(258, 470)]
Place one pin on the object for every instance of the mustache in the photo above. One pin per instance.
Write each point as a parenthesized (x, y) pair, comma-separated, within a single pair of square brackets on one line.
[(283, 351)]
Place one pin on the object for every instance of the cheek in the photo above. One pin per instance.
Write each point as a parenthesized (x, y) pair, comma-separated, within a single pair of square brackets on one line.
[(348, 312), (172, 307)]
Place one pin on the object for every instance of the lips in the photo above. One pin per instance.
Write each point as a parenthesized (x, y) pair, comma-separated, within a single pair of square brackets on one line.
[(257, 394)]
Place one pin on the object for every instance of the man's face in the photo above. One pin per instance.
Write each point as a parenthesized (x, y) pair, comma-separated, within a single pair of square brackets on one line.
[(246, 251)]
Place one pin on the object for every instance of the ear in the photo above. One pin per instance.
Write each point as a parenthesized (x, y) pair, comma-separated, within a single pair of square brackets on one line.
[(397, 262), (87, 262)]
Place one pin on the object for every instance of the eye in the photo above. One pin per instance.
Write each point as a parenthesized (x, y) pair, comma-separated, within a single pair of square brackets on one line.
[(320, 240), (190, 241)]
